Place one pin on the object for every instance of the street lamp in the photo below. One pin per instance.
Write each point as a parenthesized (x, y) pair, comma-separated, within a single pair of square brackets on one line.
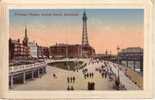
[(118, 79), (110, 56), (118, 48)]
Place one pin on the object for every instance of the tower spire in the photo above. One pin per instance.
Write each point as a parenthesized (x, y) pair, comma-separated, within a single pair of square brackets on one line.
[(84, 31), (25, 31), (25, 40)]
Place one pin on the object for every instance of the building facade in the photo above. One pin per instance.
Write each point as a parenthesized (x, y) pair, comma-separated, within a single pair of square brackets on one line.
[(132, 56), (17, 50), (33, 49), (42, 52), (70, 51), (45, 52), (131, 53), (65, 50)]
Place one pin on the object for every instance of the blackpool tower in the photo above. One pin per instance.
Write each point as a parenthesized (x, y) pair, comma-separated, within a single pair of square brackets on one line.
[(84, 31), (87, 50)]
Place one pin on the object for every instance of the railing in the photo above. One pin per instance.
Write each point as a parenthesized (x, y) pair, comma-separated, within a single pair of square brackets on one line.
[(126, 81), (25, 67), (65, 59)]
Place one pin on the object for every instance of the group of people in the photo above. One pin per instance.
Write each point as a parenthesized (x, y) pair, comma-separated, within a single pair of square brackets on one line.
[(94, 61), (71, 79), (70, 88), (106, 71), (84, 70), (89, 75), (91, 85)]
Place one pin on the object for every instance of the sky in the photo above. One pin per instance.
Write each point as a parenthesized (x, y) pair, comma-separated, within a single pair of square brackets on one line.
[(107, 28)]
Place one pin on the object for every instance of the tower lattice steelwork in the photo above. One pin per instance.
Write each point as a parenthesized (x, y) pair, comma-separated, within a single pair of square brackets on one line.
[(84, 31)]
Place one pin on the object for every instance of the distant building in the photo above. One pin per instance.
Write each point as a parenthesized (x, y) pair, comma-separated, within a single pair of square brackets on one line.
[(42, 52), (19, 50), (45, 52), (106, 56), (65, 50), (39, 52), (33, 49), (87, 51), (68, 50), (132, 54)]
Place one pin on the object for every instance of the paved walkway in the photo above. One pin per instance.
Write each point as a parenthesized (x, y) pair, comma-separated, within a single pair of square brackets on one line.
[(129, 85), (49, 82)]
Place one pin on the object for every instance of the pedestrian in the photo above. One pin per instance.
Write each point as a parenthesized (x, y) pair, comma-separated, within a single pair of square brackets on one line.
[(87, 75), (72, 88), (93, 74), (102, 74), (90, 75), (68, 88), (102, 67), (106, 74), (84, 76), (88, 86), (99, 70), (93, 85), (110, 77), (73, 79), (54, 75), (68, 79)]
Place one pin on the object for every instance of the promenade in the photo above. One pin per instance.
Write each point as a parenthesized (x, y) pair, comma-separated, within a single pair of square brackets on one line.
[(60, 82), (48, 82)]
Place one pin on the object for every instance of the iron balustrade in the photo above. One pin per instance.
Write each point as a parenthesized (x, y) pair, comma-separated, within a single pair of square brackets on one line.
[(25, 67)]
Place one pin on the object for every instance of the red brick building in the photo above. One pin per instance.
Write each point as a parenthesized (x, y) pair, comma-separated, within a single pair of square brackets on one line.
[(17, 50), (71, 51)]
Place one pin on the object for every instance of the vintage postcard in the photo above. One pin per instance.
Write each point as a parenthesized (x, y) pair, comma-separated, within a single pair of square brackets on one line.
[(77, 51)]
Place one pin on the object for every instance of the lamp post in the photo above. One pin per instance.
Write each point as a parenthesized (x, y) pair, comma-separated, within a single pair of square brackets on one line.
[(118, 78), (110, 56), (118, 48)]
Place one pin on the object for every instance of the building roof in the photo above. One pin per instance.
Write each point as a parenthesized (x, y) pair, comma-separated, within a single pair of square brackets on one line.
[(132, 50)]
